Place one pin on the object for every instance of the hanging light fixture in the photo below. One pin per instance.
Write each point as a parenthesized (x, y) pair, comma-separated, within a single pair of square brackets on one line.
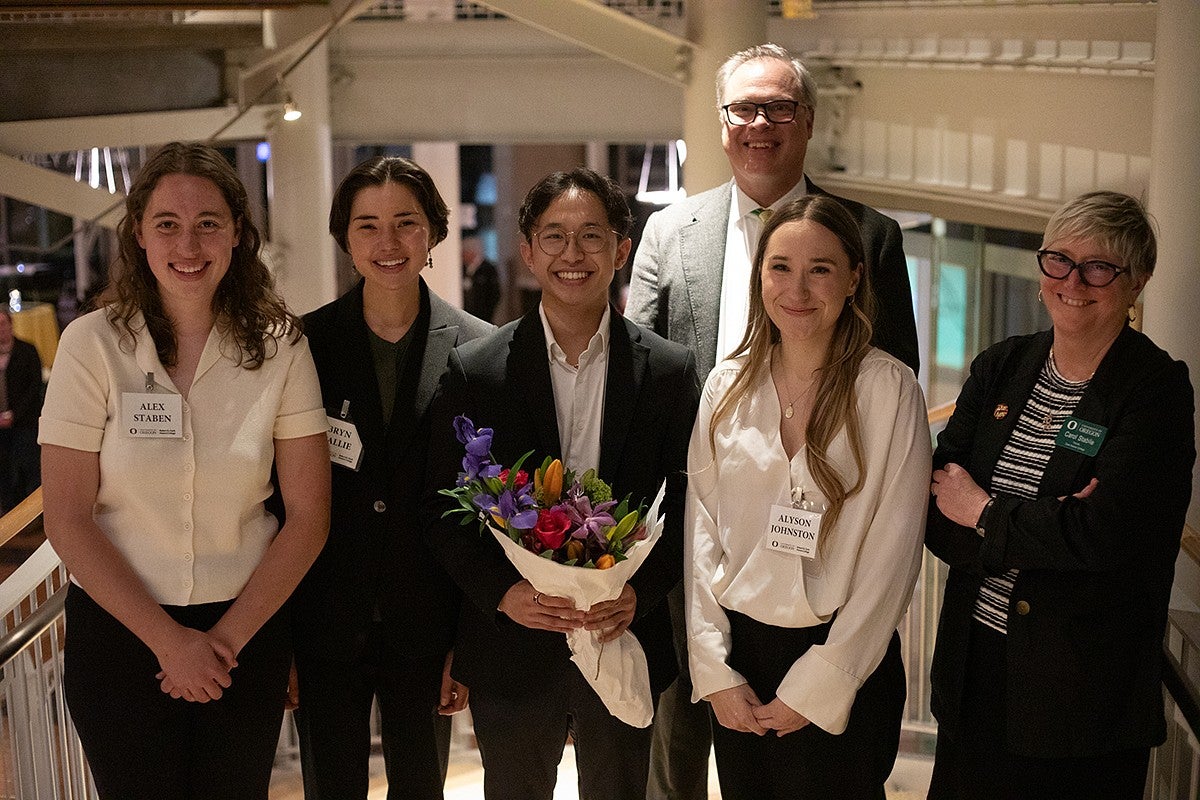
[(291, 112)]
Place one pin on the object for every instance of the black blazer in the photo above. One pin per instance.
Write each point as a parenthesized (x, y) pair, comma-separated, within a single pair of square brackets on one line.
[(503, 382), (1088, 611), (375, 562), (24, 378)]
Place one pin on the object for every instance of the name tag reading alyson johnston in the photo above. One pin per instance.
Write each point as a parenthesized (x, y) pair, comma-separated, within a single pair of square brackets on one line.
[(794, 531), (149, 415)]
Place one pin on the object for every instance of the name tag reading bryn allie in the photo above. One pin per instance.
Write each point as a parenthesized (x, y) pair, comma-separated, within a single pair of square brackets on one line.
[(794, 531), (150, 415)]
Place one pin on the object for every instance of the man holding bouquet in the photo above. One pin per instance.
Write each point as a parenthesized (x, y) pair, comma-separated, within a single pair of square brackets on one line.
[(572, 379)]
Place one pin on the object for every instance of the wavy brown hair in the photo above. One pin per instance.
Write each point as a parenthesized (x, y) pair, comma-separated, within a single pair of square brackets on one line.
[(835, 404), (245, 305)]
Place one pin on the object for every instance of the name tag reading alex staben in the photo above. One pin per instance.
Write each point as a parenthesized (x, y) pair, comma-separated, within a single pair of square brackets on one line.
[(151, 415)]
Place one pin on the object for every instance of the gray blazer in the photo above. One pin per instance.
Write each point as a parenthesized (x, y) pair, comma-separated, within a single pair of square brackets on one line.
[(675, 288)]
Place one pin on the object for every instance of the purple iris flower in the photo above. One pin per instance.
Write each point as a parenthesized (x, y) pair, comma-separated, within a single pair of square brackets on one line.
[(477, 462), (517, 508)]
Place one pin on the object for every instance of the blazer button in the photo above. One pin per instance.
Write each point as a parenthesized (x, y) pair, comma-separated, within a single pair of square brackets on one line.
[(380, 506), (1022, 607)]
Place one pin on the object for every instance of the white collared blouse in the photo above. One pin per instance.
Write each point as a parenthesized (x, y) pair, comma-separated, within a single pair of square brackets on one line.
[(186, 513), (865, 567)]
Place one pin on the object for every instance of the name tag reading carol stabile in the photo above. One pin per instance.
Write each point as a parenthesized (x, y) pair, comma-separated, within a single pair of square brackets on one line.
[(1081, 436), (150, 415), (793, 531)]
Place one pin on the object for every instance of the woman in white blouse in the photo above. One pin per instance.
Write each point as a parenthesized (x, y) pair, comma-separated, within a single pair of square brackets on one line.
[(806, 500), (165, 411)]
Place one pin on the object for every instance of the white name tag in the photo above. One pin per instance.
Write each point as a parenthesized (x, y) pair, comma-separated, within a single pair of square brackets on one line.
[(152, 416), (345, 447), (793, 531)]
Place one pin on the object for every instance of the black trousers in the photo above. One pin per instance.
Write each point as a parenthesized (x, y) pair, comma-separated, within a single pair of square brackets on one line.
[(521, 743), (976, 765), (143, 745), (682, 736), (809, 763), (334, 720)]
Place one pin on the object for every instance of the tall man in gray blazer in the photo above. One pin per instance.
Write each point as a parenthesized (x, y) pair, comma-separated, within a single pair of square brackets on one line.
[(690, 283)]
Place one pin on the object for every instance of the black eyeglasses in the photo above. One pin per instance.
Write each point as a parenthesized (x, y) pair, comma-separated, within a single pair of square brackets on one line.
[(1095, 273), (589, 239), (779, 112)]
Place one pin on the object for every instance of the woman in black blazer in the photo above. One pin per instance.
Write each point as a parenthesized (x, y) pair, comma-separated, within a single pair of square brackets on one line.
[(1059, 489), (375, 617)]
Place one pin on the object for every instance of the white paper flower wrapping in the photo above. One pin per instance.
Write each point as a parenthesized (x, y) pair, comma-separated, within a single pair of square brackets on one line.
[(616, 670)]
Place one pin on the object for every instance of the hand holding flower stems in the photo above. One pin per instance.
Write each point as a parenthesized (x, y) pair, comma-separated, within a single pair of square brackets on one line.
[(526, 606)]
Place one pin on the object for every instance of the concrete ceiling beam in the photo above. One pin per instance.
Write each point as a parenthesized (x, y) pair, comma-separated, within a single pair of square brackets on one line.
[(608, 32), (132, 130), (58, 192)]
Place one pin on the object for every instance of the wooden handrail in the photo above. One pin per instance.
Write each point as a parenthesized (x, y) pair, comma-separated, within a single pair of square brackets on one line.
[(940, 413), (26, 512)]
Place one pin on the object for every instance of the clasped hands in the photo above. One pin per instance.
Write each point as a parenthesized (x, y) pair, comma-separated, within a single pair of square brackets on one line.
[(533, 609), (738, 708), (196, 664)]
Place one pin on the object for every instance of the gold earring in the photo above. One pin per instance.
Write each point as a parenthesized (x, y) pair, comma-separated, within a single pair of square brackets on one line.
[(1040, 300)]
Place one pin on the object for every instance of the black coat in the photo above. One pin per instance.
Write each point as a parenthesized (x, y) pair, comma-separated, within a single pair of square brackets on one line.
[(503, 382), (375, 562), (24, 378), (1088, 611)]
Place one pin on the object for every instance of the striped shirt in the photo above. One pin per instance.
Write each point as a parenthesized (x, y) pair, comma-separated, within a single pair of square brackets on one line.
[(1019, 471)]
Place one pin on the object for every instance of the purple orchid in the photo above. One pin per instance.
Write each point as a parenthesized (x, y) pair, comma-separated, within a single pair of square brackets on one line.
[(587, 520)]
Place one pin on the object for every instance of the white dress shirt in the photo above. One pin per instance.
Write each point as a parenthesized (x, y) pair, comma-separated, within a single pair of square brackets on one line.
[(741, 240), (579, 396), (865, 567), (186, 513)]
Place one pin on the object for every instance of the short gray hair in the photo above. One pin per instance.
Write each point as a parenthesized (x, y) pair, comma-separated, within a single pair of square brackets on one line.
[(1113, 220), (803, 78)]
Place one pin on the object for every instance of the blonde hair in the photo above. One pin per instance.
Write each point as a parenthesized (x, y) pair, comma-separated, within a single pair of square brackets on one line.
[(835, 403)]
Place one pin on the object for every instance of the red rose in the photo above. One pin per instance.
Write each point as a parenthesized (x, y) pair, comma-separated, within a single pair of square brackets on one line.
[(521, 480), (551, 528)]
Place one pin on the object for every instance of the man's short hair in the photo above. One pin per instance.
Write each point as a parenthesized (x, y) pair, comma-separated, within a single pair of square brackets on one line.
[(556, 184), (804, 79)]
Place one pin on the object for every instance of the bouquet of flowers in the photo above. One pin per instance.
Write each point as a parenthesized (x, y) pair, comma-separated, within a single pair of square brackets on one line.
[(567, 536)]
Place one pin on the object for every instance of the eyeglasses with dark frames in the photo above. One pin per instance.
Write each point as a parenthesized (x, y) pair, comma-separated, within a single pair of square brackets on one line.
[(779, 112), (589, 239), (1094, 273)]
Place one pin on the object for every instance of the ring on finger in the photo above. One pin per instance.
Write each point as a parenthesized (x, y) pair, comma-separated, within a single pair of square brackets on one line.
[(537, 598)]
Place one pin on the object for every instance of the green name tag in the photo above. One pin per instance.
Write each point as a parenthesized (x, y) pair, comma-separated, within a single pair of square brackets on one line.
[(1081, 436)]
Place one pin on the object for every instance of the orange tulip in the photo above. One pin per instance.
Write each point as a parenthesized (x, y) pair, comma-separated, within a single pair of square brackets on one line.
[(605, 561)]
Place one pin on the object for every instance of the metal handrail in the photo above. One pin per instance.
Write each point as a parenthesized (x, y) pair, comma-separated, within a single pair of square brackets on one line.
[(33, 626)]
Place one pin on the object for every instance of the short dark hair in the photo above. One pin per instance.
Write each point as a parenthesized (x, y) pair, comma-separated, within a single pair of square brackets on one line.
[(549, 188), (377, 171)]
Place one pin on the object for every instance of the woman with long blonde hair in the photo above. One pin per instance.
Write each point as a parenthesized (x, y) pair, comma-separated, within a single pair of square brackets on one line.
[(806, 500)]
